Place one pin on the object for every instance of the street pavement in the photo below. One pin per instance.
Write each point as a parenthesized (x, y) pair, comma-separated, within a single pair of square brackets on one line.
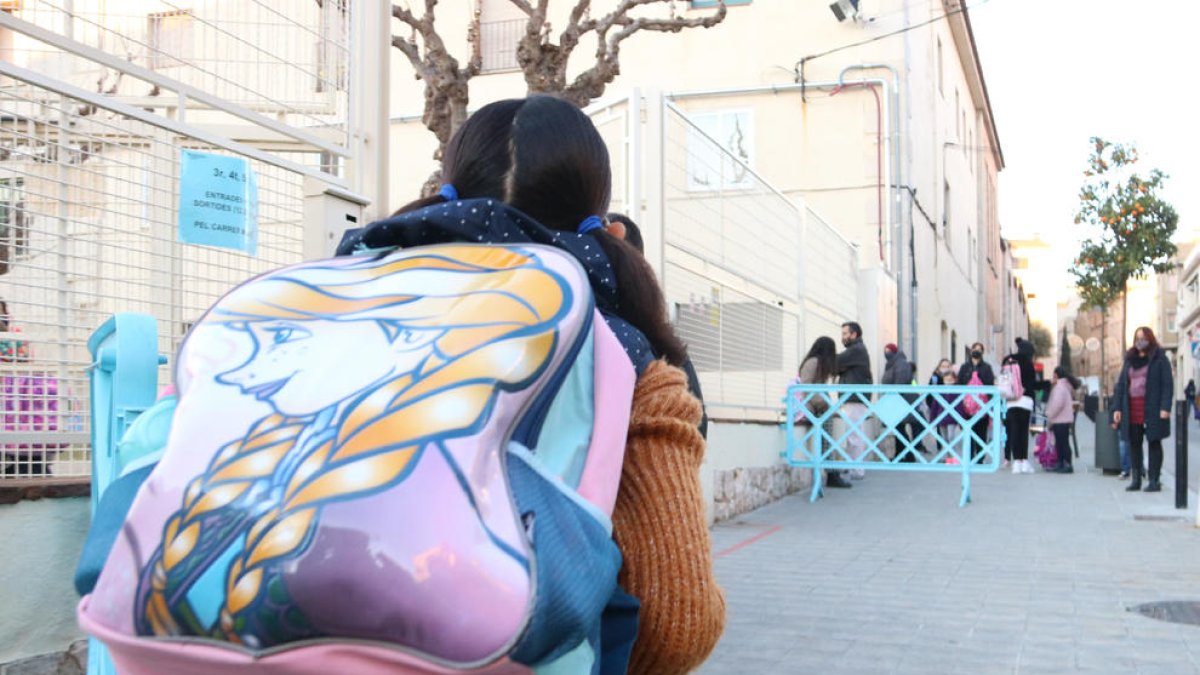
[(1037, 575)]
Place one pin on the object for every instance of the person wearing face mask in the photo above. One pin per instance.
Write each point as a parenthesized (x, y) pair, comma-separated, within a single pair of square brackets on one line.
[(942, 375), (854, 367), (981, 370), (1143, 405)]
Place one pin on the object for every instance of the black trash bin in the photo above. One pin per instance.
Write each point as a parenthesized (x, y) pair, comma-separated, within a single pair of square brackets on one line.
[(1091, 404), (1108, 451)]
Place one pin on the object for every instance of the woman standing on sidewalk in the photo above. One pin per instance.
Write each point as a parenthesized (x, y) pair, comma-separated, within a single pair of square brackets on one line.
[(817, 368), (1060, 415), (1143, 405)]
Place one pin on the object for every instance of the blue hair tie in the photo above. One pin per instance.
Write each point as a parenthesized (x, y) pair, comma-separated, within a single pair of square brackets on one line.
[(448, 192), (590, 224)]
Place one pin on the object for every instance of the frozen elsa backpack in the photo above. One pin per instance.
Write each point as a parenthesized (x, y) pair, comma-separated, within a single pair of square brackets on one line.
[(403, 463)]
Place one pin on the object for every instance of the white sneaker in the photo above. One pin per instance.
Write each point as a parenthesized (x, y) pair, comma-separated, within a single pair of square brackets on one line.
[(1016, 466), (857, 474), (1026, 467), (1004, 464)]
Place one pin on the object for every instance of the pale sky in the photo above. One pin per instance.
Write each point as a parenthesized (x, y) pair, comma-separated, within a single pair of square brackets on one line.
[(1060, 71)]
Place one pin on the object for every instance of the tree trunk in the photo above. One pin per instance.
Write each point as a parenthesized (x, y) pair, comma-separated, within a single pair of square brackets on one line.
[(1103, 360), (1125, 317)]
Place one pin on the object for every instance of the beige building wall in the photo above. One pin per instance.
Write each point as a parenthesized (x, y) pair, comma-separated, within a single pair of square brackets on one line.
[(822, 146)]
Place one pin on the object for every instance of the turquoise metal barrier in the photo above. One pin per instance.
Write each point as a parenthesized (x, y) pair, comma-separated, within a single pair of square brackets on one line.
[(124, 384), (847, 427)]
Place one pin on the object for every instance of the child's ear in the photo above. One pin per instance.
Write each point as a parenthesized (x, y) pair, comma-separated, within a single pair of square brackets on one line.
[(616, 228)]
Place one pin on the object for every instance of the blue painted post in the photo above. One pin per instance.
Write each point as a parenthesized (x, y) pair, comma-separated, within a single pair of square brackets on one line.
[(123, 383)]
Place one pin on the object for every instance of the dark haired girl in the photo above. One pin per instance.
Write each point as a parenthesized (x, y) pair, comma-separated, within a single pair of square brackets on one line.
[(536, 170)]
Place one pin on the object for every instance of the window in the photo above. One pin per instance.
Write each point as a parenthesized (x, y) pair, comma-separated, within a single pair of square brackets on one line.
[(170, 38), (954, 347), (971, 150), (14, 225), (719, 150), (501, 27), (728, 336), (957, 124), (946, 211), (333, 46), (941, 76)]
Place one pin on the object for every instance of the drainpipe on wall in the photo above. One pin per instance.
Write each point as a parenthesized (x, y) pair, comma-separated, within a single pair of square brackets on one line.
[(906, 292)]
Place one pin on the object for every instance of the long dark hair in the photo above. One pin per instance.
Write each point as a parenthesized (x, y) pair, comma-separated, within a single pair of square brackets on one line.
[(1064, 374), (1149, 335), (824, 350), (542, 155)]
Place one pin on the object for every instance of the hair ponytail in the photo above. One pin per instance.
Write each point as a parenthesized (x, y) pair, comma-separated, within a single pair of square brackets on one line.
[(640, 300), (544, 156)]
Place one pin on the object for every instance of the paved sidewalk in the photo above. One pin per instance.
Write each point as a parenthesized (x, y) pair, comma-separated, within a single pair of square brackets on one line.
[(1035, 576)]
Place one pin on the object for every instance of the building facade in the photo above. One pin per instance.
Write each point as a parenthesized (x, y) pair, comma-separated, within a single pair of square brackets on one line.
[(893, 142)]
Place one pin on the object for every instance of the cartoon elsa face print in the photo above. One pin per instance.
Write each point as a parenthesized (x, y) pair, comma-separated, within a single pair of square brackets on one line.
[(295, 365), (365, 364)]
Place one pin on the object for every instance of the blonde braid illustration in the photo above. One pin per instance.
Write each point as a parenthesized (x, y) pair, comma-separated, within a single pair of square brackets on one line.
[(495, 312)]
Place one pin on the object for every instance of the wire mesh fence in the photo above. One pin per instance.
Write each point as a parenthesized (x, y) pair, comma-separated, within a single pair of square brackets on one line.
[(830, 278), (89, 226), (287, 59), (747, 269)]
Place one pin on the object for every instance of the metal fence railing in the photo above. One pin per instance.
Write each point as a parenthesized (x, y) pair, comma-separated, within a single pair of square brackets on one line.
[(498, 42), (735, 265), (286, 59), (830, 279), (91, 182), (929, 428)]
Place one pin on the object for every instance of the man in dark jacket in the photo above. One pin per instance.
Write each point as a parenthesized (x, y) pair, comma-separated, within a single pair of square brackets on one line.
[(976, 366), (854, 367), (900, 371)]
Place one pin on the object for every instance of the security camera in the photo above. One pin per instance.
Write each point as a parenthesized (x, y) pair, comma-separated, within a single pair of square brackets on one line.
[(845, 9)]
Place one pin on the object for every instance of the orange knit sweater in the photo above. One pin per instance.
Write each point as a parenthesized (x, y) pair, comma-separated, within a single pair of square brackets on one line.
[(660, 527)]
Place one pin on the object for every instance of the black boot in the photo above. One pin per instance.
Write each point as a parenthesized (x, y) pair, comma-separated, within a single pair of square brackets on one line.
[(834, 479), (1136, 485), (1153, 486), (1064, 467)]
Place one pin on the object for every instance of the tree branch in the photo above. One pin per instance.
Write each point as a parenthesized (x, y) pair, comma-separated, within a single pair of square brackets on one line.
[(524, 6), (592, 82)]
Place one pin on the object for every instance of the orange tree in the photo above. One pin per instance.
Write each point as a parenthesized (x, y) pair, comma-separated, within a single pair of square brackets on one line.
[(1131, 227)]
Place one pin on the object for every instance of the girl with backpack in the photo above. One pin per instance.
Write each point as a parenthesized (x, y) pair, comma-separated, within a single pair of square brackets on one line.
[(975, 373), (391, 383), (544, 158), (1060, 415), (1143, 405), (1020, 410)]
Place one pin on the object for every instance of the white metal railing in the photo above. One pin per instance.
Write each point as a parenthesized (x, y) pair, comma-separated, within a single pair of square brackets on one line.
[(287, 59), (90, 181), (750, 275), (498, 42)]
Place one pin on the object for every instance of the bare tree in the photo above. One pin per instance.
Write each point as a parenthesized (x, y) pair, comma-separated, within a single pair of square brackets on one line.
[(543, 61), (446, 93)]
